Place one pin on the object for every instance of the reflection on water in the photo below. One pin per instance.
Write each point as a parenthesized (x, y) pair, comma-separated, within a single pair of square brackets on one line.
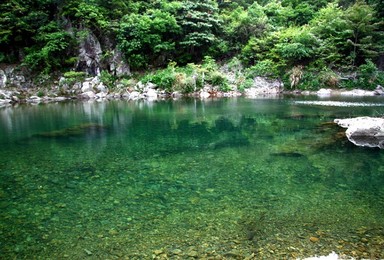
[(229, 178)]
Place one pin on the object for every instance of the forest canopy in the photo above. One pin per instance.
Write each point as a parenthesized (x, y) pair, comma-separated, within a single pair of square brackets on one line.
[(269, 37)]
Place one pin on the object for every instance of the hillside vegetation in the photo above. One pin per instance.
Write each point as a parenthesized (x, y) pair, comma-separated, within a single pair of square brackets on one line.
[(308, 44)]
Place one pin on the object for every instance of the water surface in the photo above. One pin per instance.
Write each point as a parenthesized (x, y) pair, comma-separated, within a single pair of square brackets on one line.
[(231, 178)]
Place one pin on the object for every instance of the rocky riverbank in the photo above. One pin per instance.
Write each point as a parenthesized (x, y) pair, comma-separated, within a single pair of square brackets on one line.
[(16, 88)]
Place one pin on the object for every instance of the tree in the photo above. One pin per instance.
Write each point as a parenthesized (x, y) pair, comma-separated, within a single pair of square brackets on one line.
[(366, 40), (19, 21), (278, 15), (332, 28), (296, 45), (200, 25), (147, 38), (53, 46), (240, 25)]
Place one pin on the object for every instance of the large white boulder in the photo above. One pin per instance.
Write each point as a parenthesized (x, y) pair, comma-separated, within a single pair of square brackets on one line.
[(86, 87), (364, 131), (151, 93), (88, 95)]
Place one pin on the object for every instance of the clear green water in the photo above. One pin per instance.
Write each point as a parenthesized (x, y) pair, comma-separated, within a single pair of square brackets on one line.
[(221, 179)]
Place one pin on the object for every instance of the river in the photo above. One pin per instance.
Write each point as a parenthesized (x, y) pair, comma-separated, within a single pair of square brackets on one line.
[(231, 178)]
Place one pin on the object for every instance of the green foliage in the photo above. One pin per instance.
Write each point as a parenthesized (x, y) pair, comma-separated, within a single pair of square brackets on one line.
[(188, 79), (266, 68), (285, 48), (271, 37), (108, 79), (40, 94), (366, 40), (19, 21), (258, 49), (91, 16), (200, 25), (147, 38), (49, 53), (240, 24), (302, 14), (369, 76), (278, 15), (246, 83), (2, 57), (209, 64), (331, 27), (313, 79), (163, 79), (296, 44), (216, 78), (309, 81), (328, 78), (74, 74), (71, 77)]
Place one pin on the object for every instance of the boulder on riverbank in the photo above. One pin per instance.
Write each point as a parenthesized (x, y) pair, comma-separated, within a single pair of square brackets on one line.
[(264, 86), (364, 131)]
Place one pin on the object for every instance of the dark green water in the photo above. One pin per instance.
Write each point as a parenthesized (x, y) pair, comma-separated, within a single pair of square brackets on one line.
[(228, 178)]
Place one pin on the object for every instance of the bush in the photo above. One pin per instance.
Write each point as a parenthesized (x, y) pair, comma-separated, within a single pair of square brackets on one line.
[(265, 68), (74, 75), (328, 78), (108, 79), (309, 81), (368, 75), (217, 79), (40, 94), (48, 55)]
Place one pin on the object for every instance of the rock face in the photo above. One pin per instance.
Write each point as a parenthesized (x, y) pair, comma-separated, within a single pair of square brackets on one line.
[(364, 131), (12, 76), (89, 55), (118, 66), (264, 86)]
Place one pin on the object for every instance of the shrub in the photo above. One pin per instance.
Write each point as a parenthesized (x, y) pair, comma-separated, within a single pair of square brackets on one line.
[(368, 75), (40, 94), (71, 77), (74, 75), (163, 79), (108, 79), (217, 79), (329, 78), (265, 68), (53, 45), (295, 75), (309, 81)]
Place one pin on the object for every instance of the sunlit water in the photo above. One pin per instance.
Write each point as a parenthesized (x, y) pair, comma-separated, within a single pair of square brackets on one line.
[(227, 178)]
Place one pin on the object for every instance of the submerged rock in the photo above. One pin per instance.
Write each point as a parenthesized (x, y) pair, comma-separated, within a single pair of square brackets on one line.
[(73, 131), (288, 154), (364, 131)]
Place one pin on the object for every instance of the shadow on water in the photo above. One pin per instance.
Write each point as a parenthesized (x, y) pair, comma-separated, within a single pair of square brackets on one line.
[(74, 131)]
